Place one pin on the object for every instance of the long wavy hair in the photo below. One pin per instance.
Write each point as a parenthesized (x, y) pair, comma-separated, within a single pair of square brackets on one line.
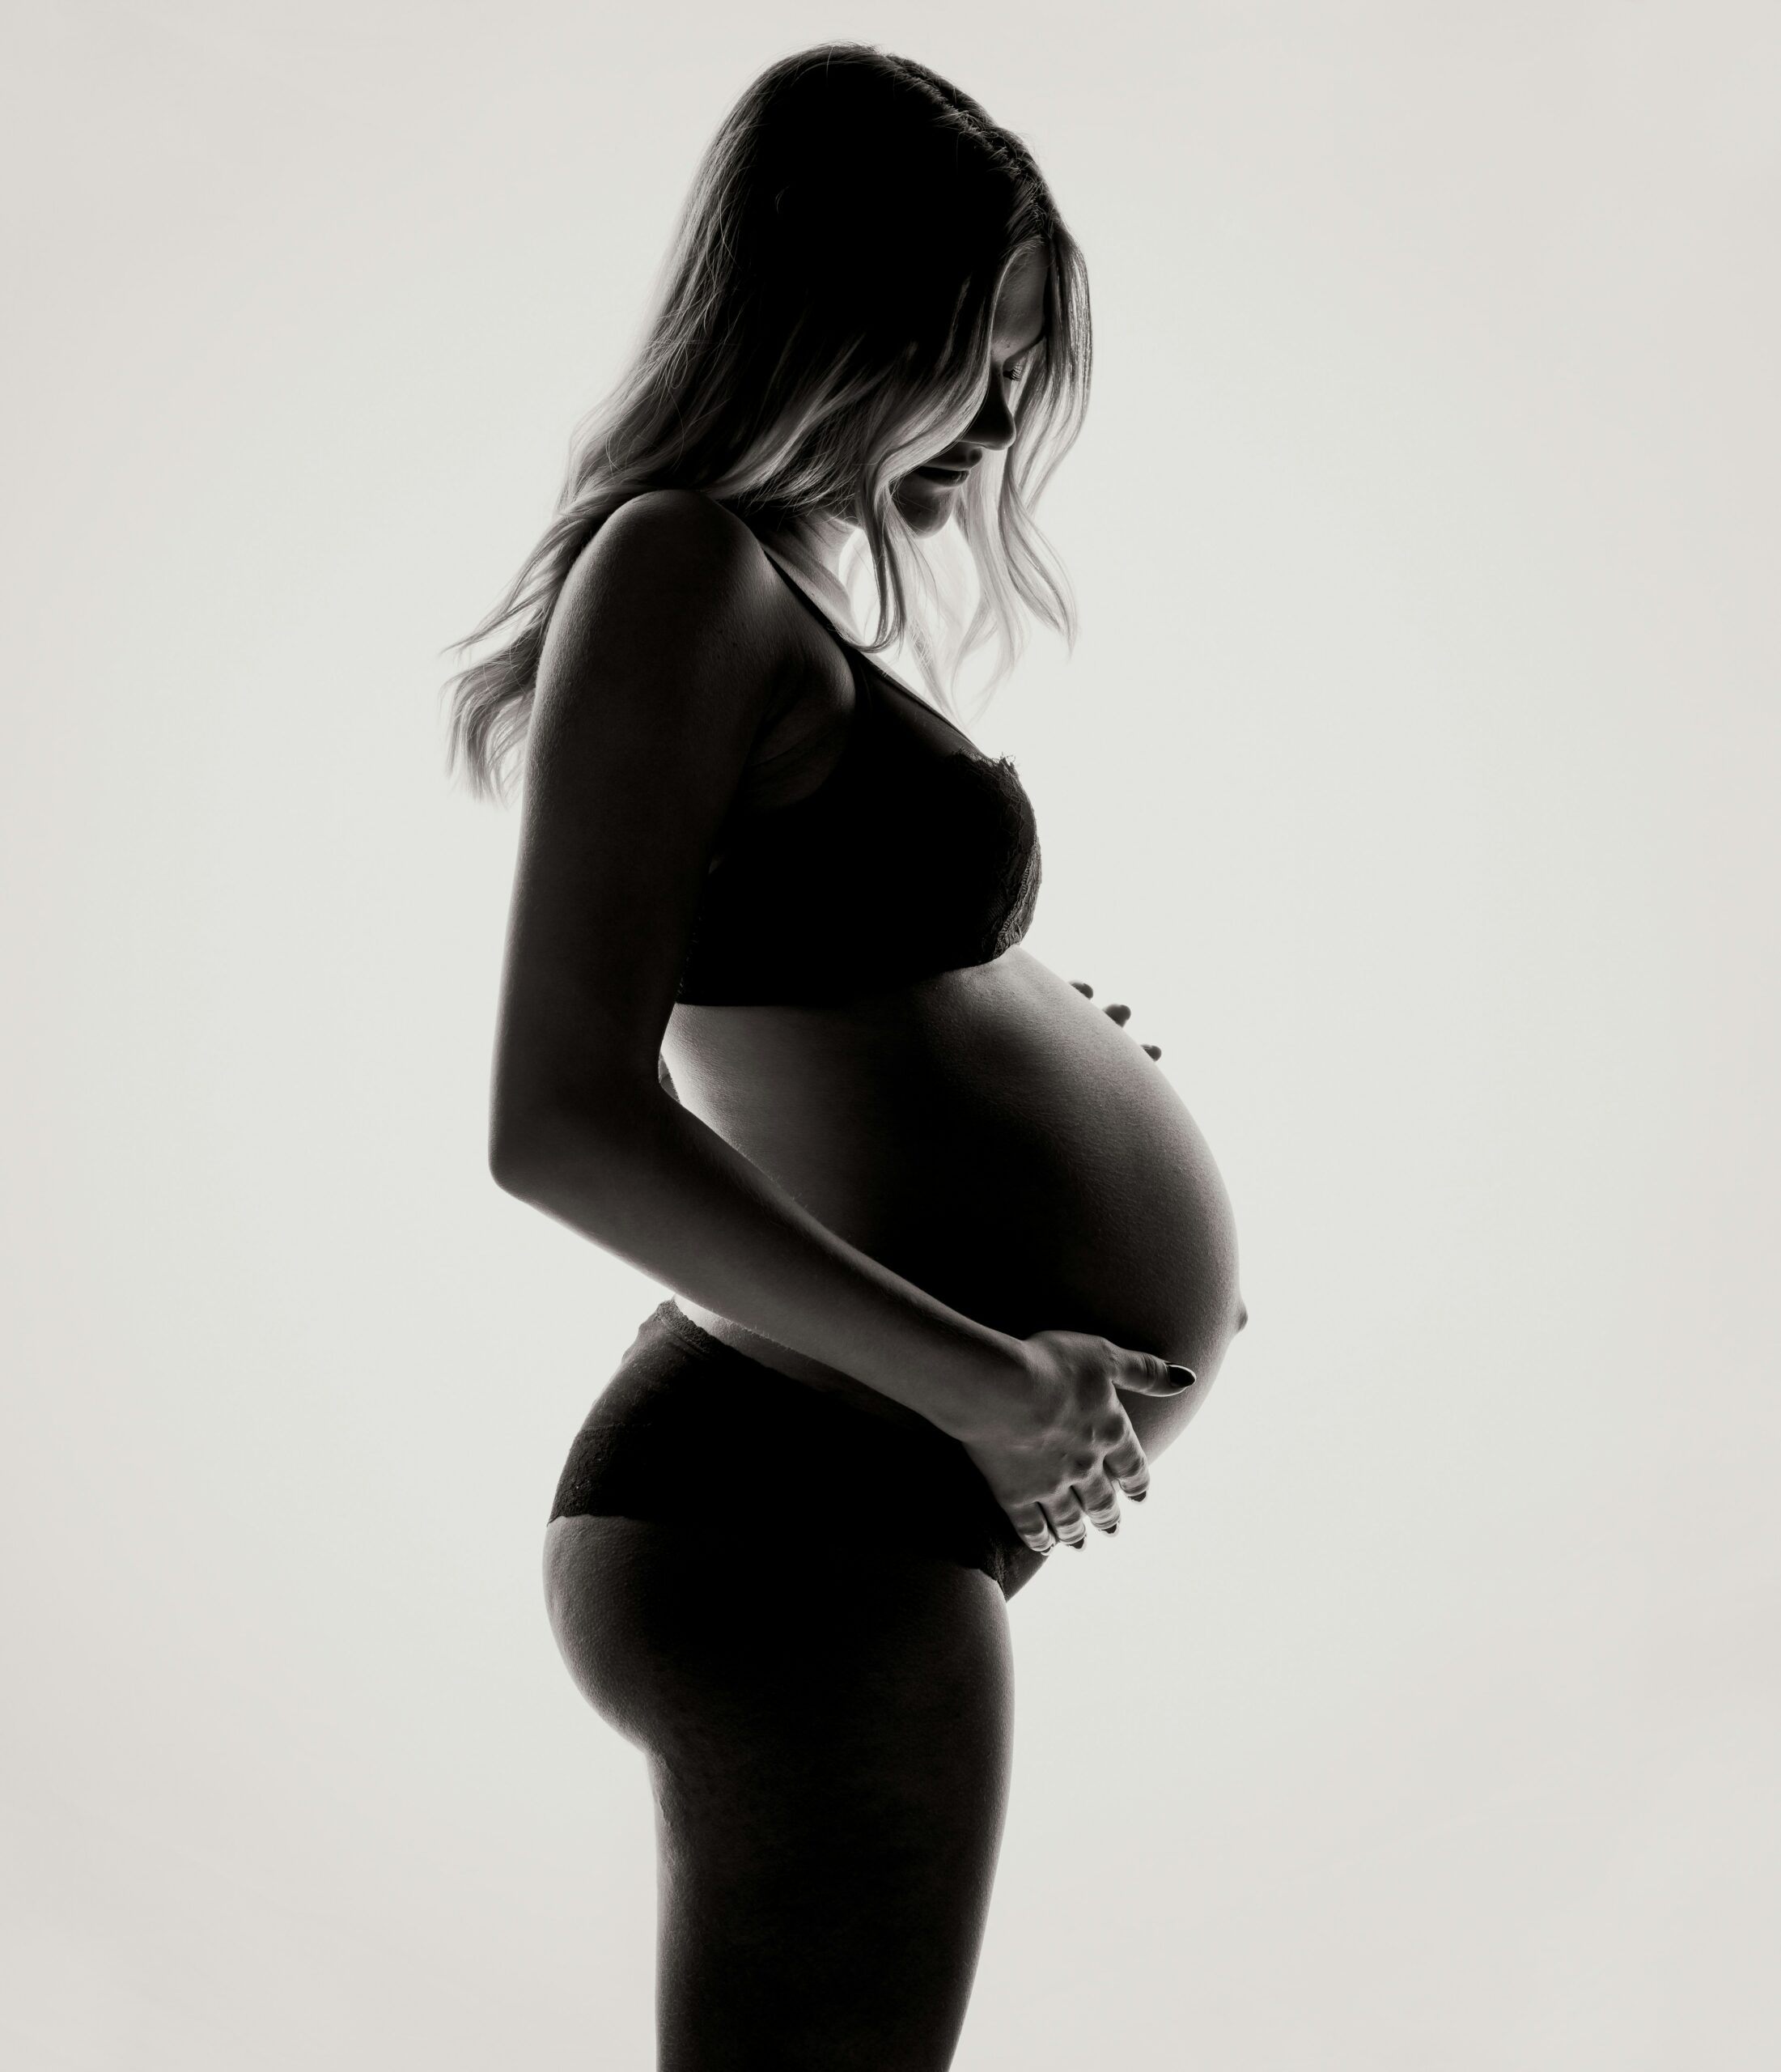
[(822, 325)]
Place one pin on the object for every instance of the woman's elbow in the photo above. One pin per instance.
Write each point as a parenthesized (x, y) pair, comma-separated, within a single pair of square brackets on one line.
[(510, 1167), (517, 1162), (536, 1151), (530, 1143)]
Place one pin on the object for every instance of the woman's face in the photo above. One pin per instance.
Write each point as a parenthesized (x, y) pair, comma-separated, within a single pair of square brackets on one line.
[(926, 494)]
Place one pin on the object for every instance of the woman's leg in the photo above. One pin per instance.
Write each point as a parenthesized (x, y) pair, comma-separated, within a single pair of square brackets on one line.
[(829, 1734)]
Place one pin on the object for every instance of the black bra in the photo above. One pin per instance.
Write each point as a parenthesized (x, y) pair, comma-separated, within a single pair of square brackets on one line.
[(915, 854)]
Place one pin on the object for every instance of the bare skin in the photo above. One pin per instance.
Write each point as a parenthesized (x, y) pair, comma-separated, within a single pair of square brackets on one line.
[(974, 1200), (675, 690)]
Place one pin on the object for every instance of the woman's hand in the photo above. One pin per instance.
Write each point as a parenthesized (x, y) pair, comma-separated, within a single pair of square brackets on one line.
[(1117, 1012), (1057, 1447)]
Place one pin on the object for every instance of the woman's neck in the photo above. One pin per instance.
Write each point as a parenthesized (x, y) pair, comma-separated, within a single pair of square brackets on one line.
[(812, 550)]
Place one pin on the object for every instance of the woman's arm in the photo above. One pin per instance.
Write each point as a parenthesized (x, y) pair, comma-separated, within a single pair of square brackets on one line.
[(649, 1181), (664, 658)]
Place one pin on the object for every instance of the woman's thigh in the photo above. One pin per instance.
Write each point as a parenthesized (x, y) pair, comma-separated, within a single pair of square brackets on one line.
[(828, 1734)]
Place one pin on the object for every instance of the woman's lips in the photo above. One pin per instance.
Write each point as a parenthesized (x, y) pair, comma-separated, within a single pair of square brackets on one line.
[(937, 474)]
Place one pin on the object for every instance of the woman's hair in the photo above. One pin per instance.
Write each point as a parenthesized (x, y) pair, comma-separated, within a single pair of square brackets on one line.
[(822, 325)]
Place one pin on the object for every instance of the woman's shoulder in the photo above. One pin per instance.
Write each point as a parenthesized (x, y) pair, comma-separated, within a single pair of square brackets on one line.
[(672, 587), (679, 544)]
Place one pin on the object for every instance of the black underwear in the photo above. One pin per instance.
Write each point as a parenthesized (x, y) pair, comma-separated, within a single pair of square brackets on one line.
[(690, 1430)]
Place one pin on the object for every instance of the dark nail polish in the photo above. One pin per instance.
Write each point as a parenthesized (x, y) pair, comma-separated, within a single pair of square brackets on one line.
[(1137, 1496), (1118, 1012), (1154, 1050), (1183, 1378), (1083, 987)]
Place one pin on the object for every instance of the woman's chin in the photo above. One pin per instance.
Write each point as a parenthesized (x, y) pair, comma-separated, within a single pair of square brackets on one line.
[(922, 514)]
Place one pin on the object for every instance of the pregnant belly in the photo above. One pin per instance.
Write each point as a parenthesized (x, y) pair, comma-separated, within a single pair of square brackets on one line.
[(992, 1136)]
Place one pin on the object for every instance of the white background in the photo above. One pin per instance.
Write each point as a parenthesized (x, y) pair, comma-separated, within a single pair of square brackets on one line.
[(1414, 778)]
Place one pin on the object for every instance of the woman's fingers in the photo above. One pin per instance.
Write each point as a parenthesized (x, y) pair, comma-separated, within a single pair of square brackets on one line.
[(1125, 1464), (1030, 1521), (1115, 1011), (1143, 1373), (1070, 1452), (1066, 1519), (1100, 1501)]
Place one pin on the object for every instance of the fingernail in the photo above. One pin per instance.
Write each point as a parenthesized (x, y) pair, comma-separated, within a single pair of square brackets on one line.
[(1183, 1378), (1137, 1496), (1078, 1544), (1118, 1011), (1153, 1050), (1083, 987)]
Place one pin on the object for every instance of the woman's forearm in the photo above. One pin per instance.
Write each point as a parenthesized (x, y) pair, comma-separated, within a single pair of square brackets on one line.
[(647, 1180)]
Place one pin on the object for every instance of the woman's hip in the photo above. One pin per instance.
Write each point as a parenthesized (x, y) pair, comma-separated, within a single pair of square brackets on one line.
[(692, 1434)]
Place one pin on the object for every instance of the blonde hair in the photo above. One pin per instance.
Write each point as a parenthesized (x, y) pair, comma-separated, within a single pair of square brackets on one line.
[(822, 325)]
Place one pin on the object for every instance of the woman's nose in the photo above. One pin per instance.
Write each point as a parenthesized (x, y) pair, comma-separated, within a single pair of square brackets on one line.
[(993, 423)]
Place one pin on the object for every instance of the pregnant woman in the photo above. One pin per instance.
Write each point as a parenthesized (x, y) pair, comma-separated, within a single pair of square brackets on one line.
[(952, 1261)]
